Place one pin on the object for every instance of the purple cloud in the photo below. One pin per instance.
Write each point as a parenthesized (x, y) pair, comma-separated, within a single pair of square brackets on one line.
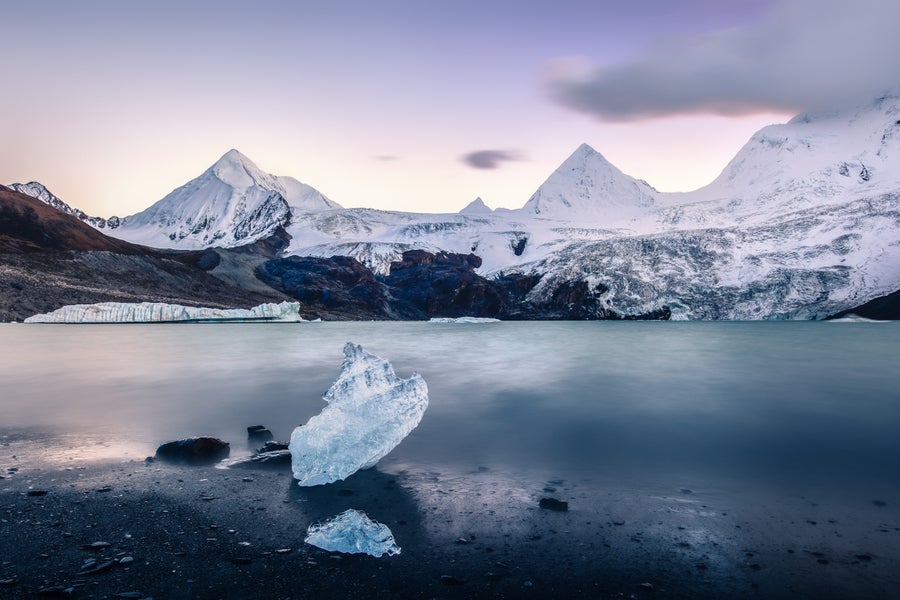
[(803, 55), (490, 159)]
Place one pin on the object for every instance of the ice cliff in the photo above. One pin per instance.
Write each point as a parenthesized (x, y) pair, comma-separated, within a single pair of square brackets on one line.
[(370, 410), (159, 312)]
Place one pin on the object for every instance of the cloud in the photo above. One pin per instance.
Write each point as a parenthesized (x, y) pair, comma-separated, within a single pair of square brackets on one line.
[(490, 159), (803, 55), (386, 157)]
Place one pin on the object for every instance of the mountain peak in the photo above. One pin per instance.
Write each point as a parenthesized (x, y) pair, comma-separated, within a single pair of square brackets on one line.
[(476, 207), (238, 171), (586, 186)]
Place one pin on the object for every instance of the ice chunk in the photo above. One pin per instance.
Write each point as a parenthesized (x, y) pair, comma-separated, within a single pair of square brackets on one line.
[(463, 320), (370, 410), (353, 532), (160, 312)]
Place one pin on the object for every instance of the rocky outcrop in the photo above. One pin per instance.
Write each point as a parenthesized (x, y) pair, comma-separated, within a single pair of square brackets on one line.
[(339, 286), (883, 308), (423, 285)]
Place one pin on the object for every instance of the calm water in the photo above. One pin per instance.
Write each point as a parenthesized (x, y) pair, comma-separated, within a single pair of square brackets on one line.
[(776, 403)]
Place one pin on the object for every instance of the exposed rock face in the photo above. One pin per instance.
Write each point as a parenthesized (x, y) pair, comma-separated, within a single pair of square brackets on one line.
[(882, 308), (424, 285), (339, 284)]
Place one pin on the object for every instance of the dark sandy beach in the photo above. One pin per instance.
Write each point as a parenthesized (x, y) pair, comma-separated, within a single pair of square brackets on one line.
[(168, 531)]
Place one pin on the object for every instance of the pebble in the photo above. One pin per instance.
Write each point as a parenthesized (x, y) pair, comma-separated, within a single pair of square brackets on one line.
[(126, 559), (135, 595), (283, 551), (105, 488), (241, 560), (554, 504), (96, 546), (97, 568), (646, 585), (37, 492), (451, 580), (57, 591)]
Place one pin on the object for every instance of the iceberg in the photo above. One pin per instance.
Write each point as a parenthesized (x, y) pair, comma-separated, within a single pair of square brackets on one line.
[(160, 312), (463, 320), (370, 410), (353, 532)]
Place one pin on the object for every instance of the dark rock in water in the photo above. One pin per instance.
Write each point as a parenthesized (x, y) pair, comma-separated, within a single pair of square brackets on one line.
[(257, 434), (276, 459), (273, 446), (37, 492), (554, 504), (194, 451)]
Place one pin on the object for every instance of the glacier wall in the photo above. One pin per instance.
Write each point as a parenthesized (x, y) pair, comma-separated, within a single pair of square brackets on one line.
[(160, 312)]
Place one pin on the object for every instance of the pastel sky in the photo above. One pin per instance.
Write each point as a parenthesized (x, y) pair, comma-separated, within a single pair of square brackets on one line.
[(409, 104)]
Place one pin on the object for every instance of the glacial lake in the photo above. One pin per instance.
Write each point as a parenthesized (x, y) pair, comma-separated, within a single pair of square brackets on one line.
[(790, 428), (783, 402)]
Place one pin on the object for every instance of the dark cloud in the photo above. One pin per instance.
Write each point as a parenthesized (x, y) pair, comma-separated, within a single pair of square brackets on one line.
[(803, 55), (490, 159)]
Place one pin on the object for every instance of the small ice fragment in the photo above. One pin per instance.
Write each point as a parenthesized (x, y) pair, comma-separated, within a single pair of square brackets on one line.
[(463, 320), (370, 410), (352, 532)]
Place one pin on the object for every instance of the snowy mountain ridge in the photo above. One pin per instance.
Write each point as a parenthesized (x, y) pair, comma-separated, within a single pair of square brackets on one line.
[(803, 222), (232, 203), (39, 191)]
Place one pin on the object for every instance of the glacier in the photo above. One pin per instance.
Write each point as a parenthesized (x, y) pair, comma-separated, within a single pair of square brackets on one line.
[(353, 532), (370, 410), (160, 312)]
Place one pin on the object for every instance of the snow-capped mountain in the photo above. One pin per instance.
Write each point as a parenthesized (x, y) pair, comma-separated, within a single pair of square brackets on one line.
[(232, 203), (802, 223), (587, 187), (39, 191)]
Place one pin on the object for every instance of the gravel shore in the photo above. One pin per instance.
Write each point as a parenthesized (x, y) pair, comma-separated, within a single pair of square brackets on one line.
[(136, 529)]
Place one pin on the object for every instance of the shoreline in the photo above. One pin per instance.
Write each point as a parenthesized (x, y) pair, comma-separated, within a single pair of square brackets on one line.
[(205, 532)]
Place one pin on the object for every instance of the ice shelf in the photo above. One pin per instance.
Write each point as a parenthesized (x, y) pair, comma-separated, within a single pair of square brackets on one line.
[(160, 312)]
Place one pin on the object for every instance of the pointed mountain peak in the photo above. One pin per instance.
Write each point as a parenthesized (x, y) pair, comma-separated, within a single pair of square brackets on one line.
[(476, 207), (586, 186), (238, 171)]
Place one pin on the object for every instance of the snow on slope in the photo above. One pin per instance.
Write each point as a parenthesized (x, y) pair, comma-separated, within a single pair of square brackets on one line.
[(232, 203)]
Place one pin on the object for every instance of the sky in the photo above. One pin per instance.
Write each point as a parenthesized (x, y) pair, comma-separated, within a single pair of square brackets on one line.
[(412, 105)]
